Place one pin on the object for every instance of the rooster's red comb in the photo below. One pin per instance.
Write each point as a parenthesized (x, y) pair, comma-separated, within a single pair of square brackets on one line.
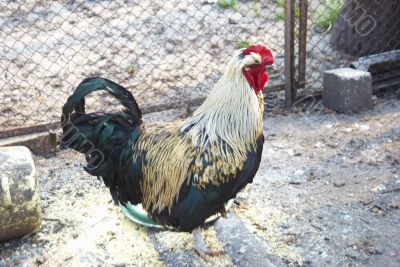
[(265, 53)]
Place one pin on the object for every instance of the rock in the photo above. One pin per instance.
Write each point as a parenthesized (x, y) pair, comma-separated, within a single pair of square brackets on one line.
[(294, 180), (367, 199), (289, 239), (395, 203), (338, 184), (41, 260), (284, 225), (19, 195), (356, 254), (58, 226), (356, 143), (378, 188), (372, 248), (347, 90), (377, 211), (395, 254), (353, 242)]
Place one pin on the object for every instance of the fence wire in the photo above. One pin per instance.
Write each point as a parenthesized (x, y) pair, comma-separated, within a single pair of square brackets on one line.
[(340, 32), (167, 51), (162, 51)]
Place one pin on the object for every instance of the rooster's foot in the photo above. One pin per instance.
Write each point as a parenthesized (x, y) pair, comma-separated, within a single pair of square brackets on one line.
[(200, 247)]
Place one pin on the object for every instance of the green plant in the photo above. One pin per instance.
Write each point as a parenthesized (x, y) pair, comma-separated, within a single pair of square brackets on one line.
[(243, 44), (327, 14), (131, 68), (256, 8), (281, 14), (227, 3)]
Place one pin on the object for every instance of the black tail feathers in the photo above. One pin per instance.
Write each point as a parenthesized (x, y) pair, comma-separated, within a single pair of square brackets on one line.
[(76, 101), (99, 134)]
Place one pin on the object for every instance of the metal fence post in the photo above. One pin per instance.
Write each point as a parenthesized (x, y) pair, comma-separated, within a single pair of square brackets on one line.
[(290, 89), (302, 60)]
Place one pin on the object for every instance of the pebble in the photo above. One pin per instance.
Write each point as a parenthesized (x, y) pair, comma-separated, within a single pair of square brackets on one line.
[(294, 181), (367, 199), (41, 260), (283, 225), (339, 184), (395, 203), (353, 242), (58, 226), (311, 175), (380, 187), (372, 248)]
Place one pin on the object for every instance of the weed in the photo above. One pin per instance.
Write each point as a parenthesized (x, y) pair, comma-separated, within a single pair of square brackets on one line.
[(227, 3), (327, 14), (243, 44)]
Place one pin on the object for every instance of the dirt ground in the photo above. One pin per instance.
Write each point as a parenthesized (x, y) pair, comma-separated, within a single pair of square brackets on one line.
[(327, 194)]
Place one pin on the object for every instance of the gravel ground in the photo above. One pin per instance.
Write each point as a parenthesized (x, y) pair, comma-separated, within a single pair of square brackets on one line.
[(326, 194)]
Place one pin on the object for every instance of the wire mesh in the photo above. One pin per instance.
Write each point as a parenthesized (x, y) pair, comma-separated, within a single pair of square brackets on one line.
[(342, 31), (162, 51), (171, 51)]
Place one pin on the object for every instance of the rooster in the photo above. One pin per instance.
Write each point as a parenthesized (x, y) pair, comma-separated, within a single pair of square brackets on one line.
[(181, 172)]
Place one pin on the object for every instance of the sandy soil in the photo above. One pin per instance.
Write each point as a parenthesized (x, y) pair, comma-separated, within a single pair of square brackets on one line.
[(326, 194)]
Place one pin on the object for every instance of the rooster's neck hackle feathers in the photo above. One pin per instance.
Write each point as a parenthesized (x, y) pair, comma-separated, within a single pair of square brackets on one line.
[(221, 133), (232, 112)]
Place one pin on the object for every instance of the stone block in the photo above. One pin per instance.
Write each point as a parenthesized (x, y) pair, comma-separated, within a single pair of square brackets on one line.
[(347, 90), (20, 212)]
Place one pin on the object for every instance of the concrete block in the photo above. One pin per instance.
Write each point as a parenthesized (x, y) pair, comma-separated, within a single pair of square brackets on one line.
[(20, 212), (37, 142), (347, 90)]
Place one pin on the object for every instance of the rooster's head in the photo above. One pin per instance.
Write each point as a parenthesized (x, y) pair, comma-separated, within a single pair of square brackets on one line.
[(256, 59), (252, 63)]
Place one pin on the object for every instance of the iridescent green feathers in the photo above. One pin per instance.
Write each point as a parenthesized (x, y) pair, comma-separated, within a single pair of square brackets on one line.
[(105, 138), (77, 100)]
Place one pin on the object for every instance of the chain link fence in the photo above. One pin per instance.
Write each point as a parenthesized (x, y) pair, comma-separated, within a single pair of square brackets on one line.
[(167, 53), (162, 51), (353, 33)]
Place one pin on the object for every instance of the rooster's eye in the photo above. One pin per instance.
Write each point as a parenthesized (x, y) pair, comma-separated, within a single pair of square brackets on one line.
[(250, 66)]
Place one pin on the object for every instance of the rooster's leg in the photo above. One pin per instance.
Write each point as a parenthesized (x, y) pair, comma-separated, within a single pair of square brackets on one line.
[(200, 247)]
